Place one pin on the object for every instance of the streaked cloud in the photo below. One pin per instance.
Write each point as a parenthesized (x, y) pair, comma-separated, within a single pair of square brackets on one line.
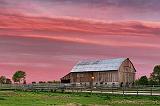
[(107, 10), (80, 31)]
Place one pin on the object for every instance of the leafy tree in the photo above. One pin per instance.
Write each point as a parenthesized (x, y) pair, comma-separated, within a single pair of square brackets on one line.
[(33, 82), (8, 81), (2, 79), (143, 80), (41, 82), (152, 82), (49, 81), (155, 75), (56, 81), (136, 82), (24, 81), (19, 76)]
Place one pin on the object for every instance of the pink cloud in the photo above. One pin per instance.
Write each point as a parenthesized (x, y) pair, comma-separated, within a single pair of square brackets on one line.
[(46, 28)]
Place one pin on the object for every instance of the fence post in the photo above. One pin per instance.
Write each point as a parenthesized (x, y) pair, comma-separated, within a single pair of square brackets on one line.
[(72, 89), (123, 90), (151, 91), (81, 88), (91, 87), (137, 90), (0, 86)]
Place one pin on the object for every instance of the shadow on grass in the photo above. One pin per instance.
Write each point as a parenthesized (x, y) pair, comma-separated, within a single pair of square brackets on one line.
[(2, 98)]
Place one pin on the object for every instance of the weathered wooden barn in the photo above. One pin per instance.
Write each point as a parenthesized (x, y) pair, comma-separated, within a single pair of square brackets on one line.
[(112, 72)]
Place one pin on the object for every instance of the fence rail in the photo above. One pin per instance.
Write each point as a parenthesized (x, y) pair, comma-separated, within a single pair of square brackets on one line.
[(136, 90)]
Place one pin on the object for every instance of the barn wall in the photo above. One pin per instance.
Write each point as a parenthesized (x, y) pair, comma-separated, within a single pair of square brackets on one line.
[(127, 72), (107, 77), (66, 78), (81, 77), (102, 77)]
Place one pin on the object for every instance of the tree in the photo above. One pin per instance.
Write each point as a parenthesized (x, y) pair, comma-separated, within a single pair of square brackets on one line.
[(155, 75), (24, 82), (2, 79), (8, 81), (143, 80), (152, 82), (136, 82), (41, 82), (33, 82), (19, 76), (49, 81)]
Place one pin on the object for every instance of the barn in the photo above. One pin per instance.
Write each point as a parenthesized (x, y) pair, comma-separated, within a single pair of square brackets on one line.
[(111, 72)]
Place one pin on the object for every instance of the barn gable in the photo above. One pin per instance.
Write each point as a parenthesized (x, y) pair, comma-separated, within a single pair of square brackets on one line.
[(98, 65)]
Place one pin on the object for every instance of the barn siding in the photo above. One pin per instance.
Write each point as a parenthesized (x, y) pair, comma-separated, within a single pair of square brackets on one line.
[(99, 77), (127, 72)]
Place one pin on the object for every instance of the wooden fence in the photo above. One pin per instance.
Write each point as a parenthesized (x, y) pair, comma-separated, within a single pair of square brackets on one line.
[(136, 90)]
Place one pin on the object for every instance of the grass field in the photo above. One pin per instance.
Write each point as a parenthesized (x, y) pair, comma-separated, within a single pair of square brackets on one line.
[(17, 98)]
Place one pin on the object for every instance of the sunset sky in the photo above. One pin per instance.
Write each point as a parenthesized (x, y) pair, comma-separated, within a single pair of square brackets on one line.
[(45, 38)]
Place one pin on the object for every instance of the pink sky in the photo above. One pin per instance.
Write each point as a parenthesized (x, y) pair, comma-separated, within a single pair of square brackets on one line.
[(45, 38)]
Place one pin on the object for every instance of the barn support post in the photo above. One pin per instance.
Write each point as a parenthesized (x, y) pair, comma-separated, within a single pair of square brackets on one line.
[(92, 80)]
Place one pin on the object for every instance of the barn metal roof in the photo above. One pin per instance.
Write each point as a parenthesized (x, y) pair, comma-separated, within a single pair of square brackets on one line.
[(98, 65)]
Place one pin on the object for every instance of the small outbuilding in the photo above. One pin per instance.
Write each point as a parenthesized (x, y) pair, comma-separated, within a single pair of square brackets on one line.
[(112, 72)]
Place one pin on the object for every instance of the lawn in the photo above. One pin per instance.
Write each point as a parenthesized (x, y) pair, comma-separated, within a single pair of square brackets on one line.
[(18, 98)]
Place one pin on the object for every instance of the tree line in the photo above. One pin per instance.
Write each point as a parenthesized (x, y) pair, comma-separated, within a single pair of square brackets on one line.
[(153, 79), (18, 77)]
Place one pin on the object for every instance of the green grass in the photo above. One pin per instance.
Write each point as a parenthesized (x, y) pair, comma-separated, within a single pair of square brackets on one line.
[(17, 98)]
